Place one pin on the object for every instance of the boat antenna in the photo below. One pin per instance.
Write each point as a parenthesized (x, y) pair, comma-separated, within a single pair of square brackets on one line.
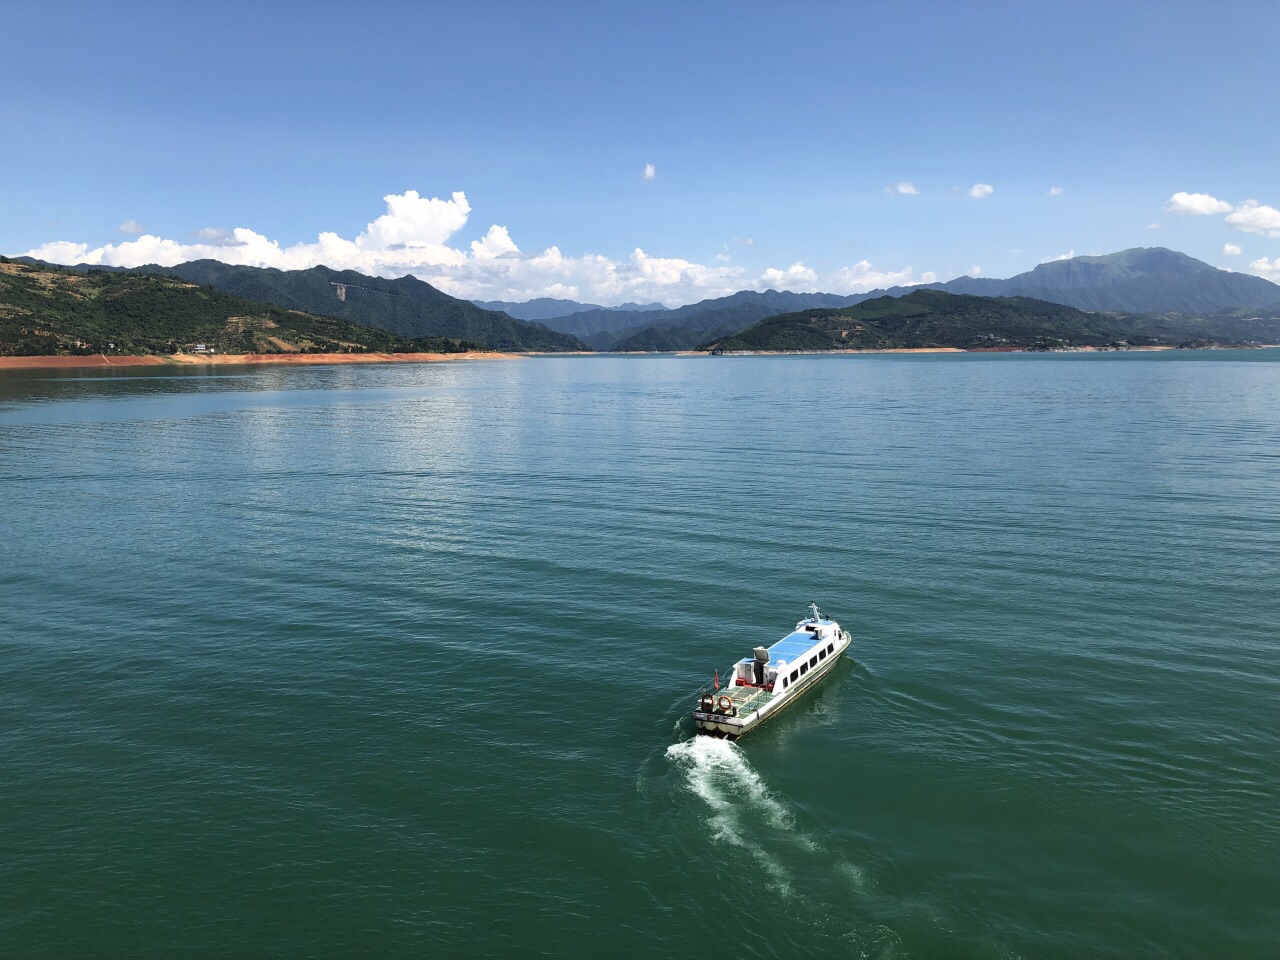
[(814, 615)]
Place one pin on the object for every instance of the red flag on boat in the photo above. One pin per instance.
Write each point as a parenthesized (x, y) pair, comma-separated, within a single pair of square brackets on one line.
[(717, 679)]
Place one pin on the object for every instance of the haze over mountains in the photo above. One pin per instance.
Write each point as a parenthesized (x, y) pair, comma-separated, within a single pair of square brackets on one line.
[(545, 308)]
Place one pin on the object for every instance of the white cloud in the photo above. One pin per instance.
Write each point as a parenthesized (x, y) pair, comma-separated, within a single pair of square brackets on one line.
[(1231, 250), (1056, 191), (412, 237), (131, 226), (905, 188), (650, 171), (1254, 217), (862, 276), (928, 277), (980, 190), (745, 241), (496, 243), (1196, 204), (1267, 268), (795, 277), (1153, 226), (974, 271), (1062, 256)]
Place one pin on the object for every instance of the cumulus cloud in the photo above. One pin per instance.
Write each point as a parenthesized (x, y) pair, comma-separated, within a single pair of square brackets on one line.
[(905, 188), (496, 243), (795, 277), (862, 276), (650, 171), (1267, 268), (980, 190), (1196, 204), (974, 271), (413, 237), (131, 226), (1056, 191), (1254, 217), (1231, 250), (1062, 256), (1153, 226)]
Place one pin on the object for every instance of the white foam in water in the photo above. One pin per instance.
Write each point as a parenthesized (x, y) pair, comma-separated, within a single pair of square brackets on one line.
[(719, 773), (716, 772), (744, 812)]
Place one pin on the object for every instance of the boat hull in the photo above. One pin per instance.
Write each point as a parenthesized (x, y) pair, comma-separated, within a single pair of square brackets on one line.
[(731, 728)]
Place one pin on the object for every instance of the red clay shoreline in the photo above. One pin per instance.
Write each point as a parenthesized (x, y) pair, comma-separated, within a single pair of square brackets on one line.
[(102, 361)]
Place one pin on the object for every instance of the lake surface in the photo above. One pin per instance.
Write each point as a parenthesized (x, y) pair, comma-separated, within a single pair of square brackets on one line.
[(396, 661)]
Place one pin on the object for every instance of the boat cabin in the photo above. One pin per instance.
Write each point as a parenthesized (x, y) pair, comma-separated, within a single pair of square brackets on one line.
[(779, 667)]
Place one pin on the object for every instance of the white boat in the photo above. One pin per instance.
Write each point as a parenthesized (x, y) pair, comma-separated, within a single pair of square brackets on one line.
[(763, 685)]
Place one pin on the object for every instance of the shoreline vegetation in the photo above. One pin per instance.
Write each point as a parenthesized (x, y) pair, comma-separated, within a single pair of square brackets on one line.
[(103, 361), (99, 361)]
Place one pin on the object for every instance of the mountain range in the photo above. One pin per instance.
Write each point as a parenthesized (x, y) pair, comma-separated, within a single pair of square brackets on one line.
[(1138, 280), (406, 307), (1151, 280), (47, 310), (1157, 282), (927, 318)]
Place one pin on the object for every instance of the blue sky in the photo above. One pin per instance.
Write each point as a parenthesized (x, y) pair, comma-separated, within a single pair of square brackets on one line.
[(777, 137)]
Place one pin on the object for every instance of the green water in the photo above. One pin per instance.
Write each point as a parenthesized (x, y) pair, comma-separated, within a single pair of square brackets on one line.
[(394, 661)]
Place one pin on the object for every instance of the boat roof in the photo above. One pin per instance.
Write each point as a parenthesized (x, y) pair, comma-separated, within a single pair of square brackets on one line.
[(794, 645), (791, 646)]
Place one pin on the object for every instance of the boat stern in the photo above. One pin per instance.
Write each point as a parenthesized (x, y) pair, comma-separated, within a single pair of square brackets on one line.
[(716, 714)]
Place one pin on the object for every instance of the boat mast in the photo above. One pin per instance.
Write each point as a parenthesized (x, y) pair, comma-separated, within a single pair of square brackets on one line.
[(814, 615)]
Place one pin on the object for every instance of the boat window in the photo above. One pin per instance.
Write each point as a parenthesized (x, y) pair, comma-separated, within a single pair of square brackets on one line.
[(831, 648), (794, 674), (804, 668), (822, 654), (813, 661)]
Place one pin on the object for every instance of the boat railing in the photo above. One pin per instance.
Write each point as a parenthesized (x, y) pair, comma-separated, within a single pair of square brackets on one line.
[(747, 699)]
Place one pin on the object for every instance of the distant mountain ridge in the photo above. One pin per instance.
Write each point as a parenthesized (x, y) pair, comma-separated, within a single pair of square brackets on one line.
[(685, 327), (550, 308), (1138, 280)]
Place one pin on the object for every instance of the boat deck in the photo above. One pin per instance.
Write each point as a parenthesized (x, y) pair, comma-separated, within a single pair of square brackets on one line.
[(747, 699)]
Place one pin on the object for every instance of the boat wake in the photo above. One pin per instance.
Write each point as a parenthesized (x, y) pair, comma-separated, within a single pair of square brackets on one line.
[(745, 814)]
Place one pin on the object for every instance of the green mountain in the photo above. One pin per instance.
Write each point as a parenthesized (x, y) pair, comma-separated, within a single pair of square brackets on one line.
[(1146, 280), (49, 311), (1140, 280), (407, 307), (935, 318)]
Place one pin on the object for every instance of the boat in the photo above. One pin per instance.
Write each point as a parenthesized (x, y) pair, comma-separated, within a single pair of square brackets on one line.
[(763, 685)]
